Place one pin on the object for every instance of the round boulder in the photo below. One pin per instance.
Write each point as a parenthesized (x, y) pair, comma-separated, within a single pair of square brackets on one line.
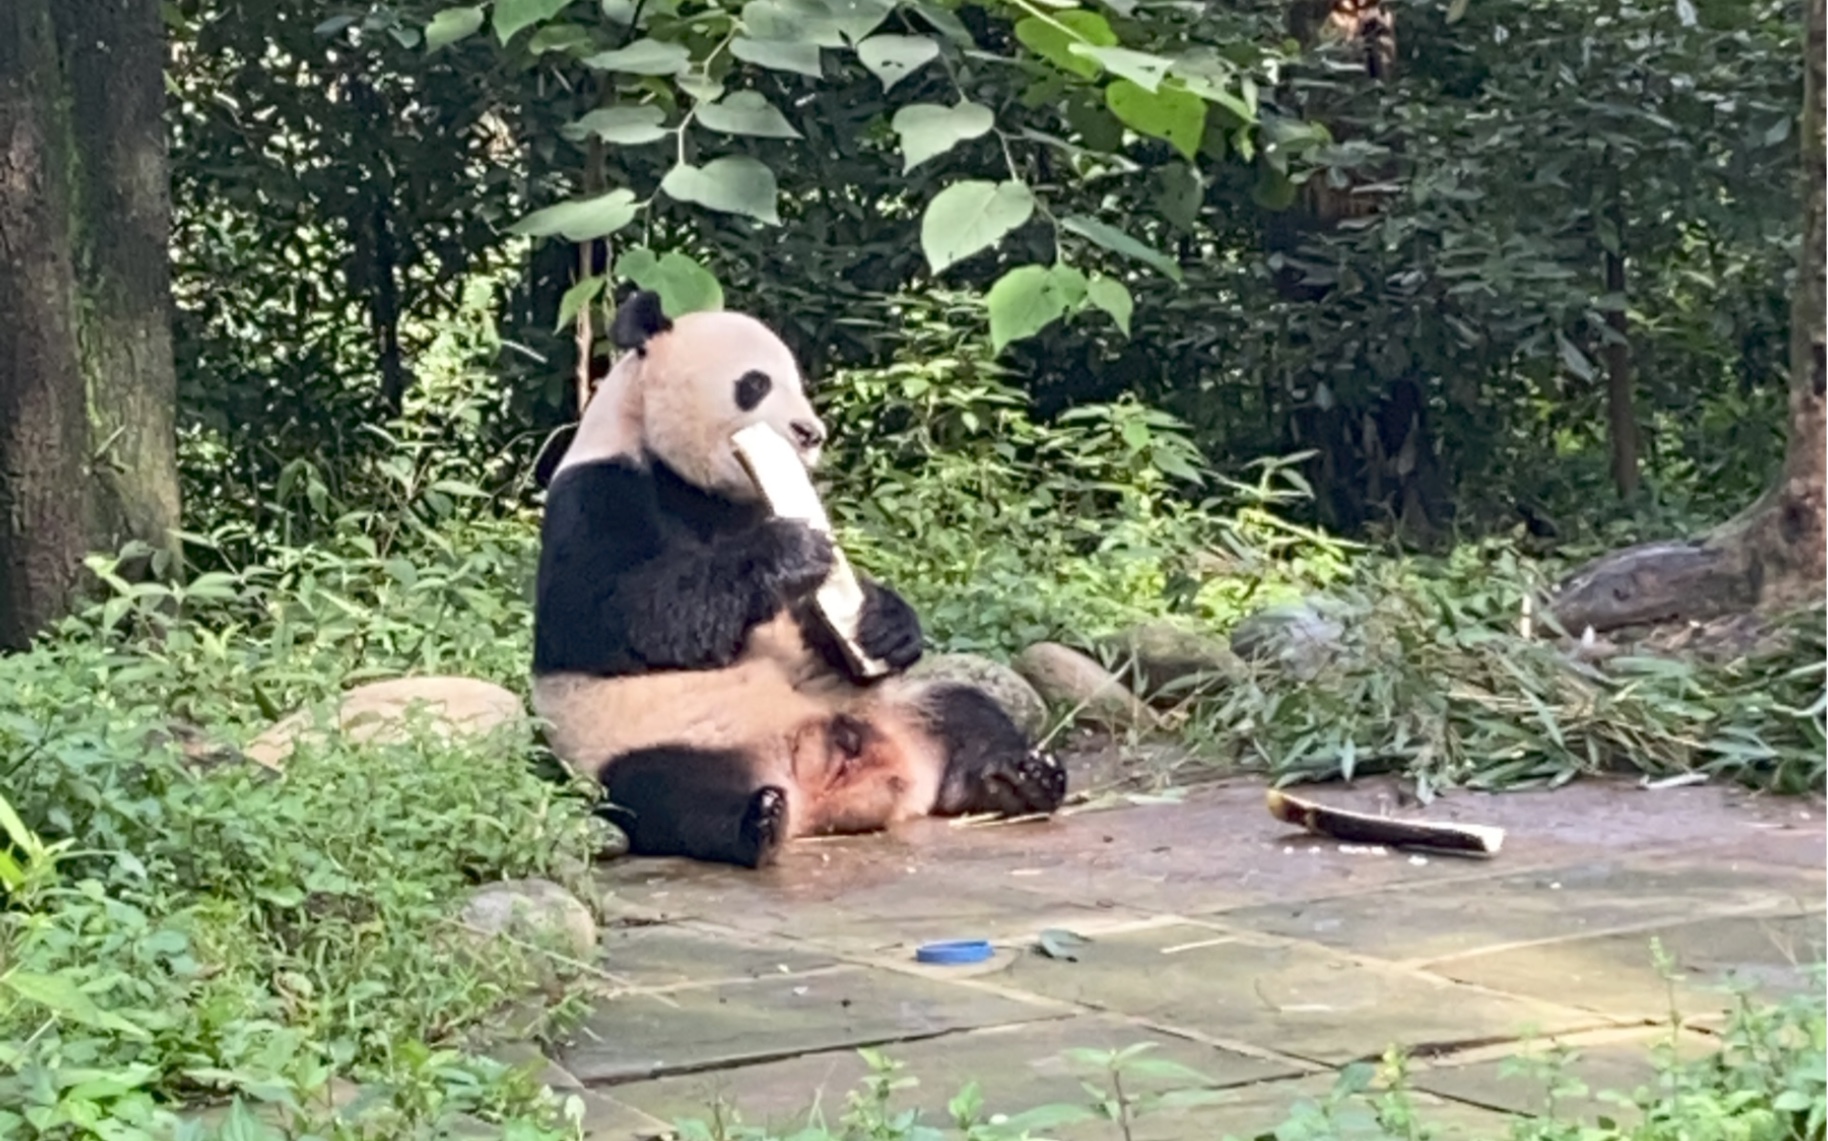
[(1003, 685), (1299, 637), (535, 911), (379, 713), (1066, 678), (1162, 654)]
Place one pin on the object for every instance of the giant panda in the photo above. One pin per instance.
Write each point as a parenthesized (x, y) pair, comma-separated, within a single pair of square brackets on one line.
[(677, 658)]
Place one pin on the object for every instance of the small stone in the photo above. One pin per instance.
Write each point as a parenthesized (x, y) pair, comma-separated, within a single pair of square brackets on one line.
[(380, 713), (603, 839), (608, 839), (1003, 685), (1068, 679), (533, 910)]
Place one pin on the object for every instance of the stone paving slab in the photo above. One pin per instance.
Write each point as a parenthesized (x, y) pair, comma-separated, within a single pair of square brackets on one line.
[(1216, 931), (1016, 1067), (1615, 974), (644, 1035), (1618, 1061), (1251, 1111), (1286, 996), (786, 1095), (858, 914), (687, 953), (1596, 896)]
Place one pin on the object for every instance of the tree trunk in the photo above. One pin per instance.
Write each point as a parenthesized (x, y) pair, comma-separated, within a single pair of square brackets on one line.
[(1621, 409), (113, 55), (88, 392), (1770, 558), (43, 437)]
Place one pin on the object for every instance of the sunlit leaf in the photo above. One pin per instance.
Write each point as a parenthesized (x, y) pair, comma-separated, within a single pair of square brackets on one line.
[(928, 130), (746, 113), (513, 15), (624, 126), (684, 285), (559, 38), (646, 56), (1141, 68), (579, 295), (778, 55), (1118, 242), (734, 184), (1172, 114), (970, 216), (1112, 296), (1029, 298), (892, 59), (451, 25), (1052, 39), (856, 19), (582, 219)]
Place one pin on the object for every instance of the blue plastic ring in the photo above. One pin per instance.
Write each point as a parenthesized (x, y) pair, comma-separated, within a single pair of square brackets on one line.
[(962, 951)]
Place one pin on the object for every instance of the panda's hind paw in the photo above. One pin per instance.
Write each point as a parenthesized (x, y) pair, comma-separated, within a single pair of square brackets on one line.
[(1034, 782), (764, 826)]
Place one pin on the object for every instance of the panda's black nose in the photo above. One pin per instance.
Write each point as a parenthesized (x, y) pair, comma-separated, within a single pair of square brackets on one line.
[(807, 433)]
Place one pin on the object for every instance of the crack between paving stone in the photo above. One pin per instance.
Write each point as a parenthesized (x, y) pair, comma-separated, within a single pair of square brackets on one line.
[(683, 1069), (1746, 911), (1423, 968)]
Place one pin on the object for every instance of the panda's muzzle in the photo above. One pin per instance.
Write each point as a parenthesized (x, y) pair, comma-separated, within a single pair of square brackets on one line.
[(807, 434)]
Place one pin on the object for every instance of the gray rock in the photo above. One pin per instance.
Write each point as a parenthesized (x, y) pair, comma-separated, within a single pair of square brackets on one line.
[(1005, 686), (608, 839), (1067, 679), (1163, 653), (380, 713), (535, 911), (1300, 637)]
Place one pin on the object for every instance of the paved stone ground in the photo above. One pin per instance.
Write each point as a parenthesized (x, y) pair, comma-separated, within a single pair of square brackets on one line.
[(1261, 957)]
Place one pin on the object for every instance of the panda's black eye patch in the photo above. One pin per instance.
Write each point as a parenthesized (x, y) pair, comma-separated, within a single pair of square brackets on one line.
[(752, 388)]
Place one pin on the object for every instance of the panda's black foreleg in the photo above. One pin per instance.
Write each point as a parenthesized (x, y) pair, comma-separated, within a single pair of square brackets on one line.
[(704, 804), (990, 764), (693, 610)]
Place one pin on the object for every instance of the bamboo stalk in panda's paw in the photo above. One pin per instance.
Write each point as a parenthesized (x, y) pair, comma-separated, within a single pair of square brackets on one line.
[(782, 479)]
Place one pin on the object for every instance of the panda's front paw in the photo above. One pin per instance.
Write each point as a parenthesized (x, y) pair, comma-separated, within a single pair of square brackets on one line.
[(888, 629), (794, 558)]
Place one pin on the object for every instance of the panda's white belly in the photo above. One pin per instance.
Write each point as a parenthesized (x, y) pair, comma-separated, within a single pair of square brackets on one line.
[(757, 703)]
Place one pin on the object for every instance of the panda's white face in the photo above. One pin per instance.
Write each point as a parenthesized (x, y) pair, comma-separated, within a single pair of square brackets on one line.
[(707, 378)]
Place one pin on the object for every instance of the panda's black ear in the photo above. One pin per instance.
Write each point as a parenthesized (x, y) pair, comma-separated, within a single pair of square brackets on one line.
[(638, 320)]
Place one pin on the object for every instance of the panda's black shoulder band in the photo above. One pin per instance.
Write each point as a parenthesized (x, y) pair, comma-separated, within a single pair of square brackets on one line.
[(638, 320)]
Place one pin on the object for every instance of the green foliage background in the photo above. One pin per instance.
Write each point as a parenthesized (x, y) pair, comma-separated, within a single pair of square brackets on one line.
[(1089, 360)]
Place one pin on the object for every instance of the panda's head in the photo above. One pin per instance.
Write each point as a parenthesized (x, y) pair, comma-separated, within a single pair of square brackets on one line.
[(701, 379)]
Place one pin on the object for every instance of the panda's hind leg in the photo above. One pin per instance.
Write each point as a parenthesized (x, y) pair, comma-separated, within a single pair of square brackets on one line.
[(991, 766), (704, 804)]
